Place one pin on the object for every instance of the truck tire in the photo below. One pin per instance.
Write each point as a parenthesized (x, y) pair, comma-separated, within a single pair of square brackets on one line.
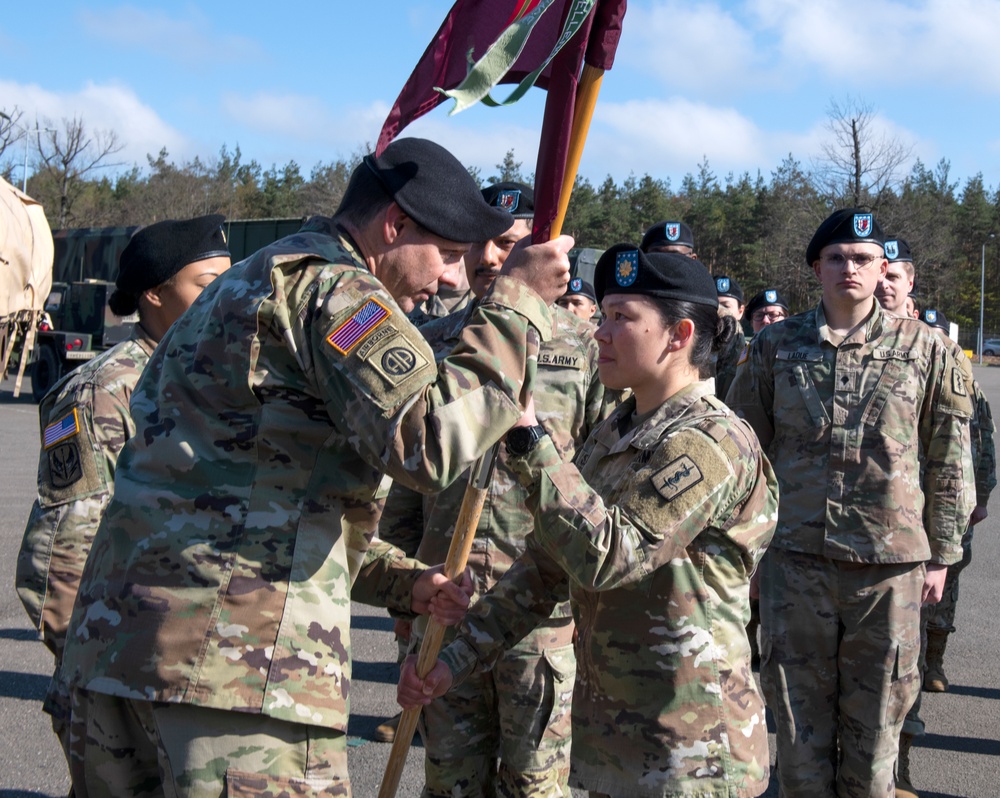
[(46, 371)]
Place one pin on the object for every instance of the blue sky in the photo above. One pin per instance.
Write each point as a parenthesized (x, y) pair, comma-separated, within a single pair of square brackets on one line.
[(741, 83)]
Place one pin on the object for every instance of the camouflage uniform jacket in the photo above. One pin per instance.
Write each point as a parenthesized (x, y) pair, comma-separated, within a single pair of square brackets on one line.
[(984, 456), (86, 421), (223, 569), (848, 425), (568, 402), (657, 533)]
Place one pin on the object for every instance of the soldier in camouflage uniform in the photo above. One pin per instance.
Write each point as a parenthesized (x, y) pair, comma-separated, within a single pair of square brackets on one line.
[(937, 620), (866, 419), (656, 530), (85, 422), (209, 648), (730, 304), (519, 710)]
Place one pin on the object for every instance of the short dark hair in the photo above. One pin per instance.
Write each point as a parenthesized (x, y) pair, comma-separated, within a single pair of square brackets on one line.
[(364, 200)]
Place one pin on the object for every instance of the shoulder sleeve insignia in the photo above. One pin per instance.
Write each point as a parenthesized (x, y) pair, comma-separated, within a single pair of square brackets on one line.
[(744, 355), (66, 427), (360, 324), (65, 466), (958, 381), (676, 477)]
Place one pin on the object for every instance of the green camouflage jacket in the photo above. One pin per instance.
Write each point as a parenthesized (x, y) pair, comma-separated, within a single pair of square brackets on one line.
[(84, 423), (569, 399), (657, 533), (984, 458), (266, 422), (869, 437)]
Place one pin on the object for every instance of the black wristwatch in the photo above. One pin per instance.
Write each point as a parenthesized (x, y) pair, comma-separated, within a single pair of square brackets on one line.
[(521, 440)]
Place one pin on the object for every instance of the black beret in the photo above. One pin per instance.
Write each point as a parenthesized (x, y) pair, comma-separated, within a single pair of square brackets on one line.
[(156, 253), (935, 318), (897, 251), (515, 198), (766, 298), (665, 234), (582, 287), (434, 189), (624, 269), (727, 286), (846, 226)]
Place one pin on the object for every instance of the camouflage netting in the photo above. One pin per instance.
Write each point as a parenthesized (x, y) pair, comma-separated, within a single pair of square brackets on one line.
[(25, 252)]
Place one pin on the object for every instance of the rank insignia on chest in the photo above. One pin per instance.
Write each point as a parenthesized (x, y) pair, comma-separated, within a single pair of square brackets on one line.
[(362, 322), (66, 427), (676, 477)]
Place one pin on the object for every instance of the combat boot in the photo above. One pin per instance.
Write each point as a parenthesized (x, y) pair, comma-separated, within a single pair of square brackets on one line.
[(934, 679), (904, 789), (386, 732)]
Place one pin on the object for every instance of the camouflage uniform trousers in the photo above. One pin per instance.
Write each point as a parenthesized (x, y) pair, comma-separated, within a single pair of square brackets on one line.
[(519, 712), (839, 649), (126, 748), (940, 616)]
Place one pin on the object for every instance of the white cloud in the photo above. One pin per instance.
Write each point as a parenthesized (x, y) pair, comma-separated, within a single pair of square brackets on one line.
[(950, 43), (692, 48), (104, 107), (188, 40)]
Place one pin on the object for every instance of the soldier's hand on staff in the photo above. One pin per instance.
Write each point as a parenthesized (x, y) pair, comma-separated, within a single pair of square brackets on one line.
[(544, 267), (414, 692), (436, 595), (933, 583)]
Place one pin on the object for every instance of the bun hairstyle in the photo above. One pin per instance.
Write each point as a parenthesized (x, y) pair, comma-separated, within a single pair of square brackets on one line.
[(123, 303), (712, 332)]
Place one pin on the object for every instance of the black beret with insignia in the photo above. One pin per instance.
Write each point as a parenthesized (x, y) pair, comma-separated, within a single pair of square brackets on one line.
[(846, 226), (157, 252), (897, 251), (581, 287), (766, 298), (515, 198), (935, 318), (727, 286), (626, 269), (434, 189), (665, 234)]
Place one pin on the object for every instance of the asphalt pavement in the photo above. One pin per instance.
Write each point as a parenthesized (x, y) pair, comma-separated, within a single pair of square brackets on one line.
[(958, 758)]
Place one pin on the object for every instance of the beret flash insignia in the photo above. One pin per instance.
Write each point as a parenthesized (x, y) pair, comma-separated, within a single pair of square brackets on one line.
[(931, 316), (771, 296), (722, 284), (509, 200), (891, 249), (672, 230), (575, 284), (862, 225), (626, 268)]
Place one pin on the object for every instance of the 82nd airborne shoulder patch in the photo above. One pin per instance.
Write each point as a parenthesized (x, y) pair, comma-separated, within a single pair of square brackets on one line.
[(362, 322)]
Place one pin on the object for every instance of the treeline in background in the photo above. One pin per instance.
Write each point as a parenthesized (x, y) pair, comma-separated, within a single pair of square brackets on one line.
[(753, 227)]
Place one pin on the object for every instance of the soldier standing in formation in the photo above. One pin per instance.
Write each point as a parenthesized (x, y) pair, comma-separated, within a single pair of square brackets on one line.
[(767, 307), (505, 731), (669, 237), (85, 422), (841, 397), (579, 299), (656, 531), (210, 643), (730, 304)]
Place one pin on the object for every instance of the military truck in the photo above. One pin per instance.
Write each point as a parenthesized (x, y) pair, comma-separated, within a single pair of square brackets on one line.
[(25, 277), (78, 324)]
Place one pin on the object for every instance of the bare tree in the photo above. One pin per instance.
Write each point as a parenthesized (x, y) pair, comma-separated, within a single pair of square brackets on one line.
[(860, 164), (67, 157), (11, 132)]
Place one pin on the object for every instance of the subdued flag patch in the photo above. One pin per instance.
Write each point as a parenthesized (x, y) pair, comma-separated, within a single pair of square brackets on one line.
[(360, 324), (66, 427)]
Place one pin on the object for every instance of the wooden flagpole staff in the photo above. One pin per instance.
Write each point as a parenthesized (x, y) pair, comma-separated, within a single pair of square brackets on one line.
[(479, 478)]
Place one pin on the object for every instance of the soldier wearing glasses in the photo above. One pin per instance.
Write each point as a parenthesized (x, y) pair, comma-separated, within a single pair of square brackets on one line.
[(865, 417), (767, 307)]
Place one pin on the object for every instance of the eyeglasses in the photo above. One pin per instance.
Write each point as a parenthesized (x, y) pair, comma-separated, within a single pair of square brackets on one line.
[(772, 315), (860, 259)]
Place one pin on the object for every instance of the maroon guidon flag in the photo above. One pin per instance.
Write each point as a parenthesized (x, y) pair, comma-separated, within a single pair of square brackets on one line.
[(482, 43)]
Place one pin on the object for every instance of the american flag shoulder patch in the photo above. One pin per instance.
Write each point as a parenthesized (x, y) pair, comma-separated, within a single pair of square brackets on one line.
[(362, 322), (66, 427)]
